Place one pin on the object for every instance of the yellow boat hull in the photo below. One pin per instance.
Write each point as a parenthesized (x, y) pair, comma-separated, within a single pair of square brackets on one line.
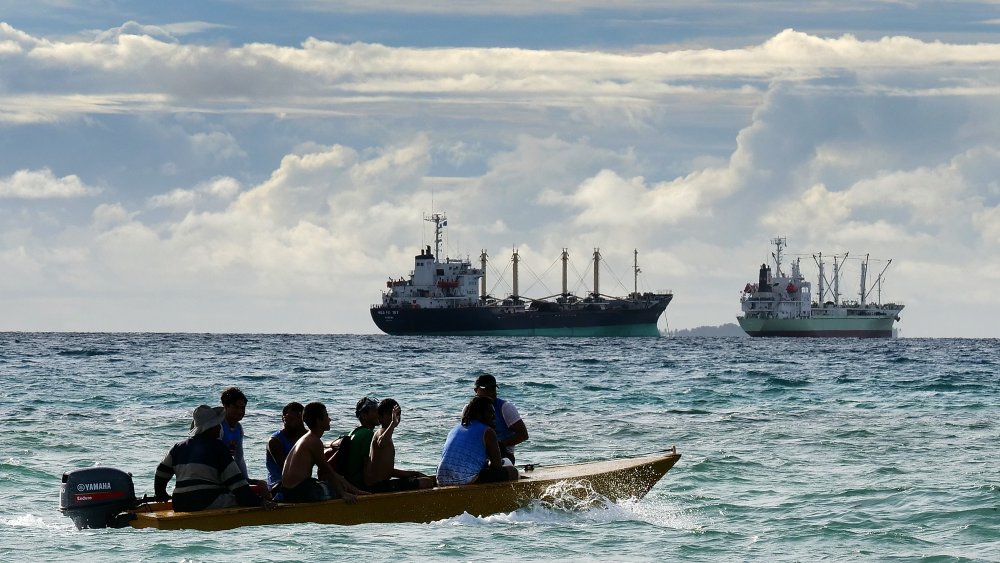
[(614, 479)]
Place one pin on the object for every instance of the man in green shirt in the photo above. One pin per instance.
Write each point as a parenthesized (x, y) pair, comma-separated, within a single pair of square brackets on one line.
[(361, 441)]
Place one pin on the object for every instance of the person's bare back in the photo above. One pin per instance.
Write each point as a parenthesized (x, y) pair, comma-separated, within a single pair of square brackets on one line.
[(308, 453)]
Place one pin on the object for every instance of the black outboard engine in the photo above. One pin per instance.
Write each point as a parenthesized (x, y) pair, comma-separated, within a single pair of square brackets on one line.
[(96, 497)]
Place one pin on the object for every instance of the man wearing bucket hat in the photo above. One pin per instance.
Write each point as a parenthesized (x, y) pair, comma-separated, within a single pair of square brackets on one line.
[(207, 475)]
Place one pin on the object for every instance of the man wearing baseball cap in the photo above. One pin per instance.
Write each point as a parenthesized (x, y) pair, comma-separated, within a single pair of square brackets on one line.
[(510, 427), (207, 474)]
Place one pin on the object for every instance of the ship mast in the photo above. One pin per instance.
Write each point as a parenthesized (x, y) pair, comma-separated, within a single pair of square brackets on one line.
[(864, 272), (515, 259), (778, 243), (878, 281), (565, 262), (836, 282), (635, 272), (597, 273), (440, 221), (482, 281), (822, 278)]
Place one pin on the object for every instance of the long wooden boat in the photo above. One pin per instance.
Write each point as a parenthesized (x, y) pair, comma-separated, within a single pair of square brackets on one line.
[(613, 479)]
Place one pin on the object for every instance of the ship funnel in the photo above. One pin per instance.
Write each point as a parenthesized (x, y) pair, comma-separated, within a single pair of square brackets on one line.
[(762, 282)]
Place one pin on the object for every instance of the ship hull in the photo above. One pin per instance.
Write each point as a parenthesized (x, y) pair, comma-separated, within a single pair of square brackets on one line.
[(819, 327), (500, 321)]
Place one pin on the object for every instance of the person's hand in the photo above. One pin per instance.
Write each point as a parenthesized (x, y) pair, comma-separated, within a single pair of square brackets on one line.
[(269, 504), (397, 414), (350, 498)]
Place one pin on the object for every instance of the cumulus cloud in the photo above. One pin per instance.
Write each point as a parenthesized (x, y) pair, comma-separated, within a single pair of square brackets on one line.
[(218, 145), (695, 156), (43, 184)]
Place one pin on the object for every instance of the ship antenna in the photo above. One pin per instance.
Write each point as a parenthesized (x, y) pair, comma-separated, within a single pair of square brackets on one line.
[(440, 221)]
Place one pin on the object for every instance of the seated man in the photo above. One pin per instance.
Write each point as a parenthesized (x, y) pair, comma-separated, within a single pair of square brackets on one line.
[(472, 453), (510, 427), (297, 482), (281, 442), (207, 475), (360, 441), (381, 475)]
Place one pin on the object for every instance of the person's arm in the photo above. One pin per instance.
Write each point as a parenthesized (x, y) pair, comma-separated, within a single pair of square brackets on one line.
[(164, 471), (402, 473), (520, 434), (340, 485), (492, 448), (276, 450), (160, 488), (386, 433)]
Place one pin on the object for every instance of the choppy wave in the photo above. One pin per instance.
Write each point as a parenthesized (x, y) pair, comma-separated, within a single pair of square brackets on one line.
[(835, 448)]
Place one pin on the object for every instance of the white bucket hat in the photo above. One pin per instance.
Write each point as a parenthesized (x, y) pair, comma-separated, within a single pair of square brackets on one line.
[(206, 418)]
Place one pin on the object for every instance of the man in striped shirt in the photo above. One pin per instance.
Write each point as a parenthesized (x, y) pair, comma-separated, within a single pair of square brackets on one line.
[(207, 475)]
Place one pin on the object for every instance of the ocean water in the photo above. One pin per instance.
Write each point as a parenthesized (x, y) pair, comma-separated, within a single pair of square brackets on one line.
[(792, 449)]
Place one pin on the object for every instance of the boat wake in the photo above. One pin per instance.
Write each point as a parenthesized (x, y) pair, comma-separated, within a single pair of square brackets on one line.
[(576, 502), (32, 521), (572, 496)]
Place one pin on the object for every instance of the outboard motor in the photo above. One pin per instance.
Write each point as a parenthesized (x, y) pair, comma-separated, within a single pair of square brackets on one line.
[(96, 497)]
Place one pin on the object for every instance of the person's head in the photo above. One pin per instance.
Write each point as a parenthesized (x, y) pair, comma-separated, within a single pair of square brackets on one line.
[(367, 412), (486, 386), (315, 416), (385, 411), (206, 419), (481, 409), (291, 415), (235, 404)]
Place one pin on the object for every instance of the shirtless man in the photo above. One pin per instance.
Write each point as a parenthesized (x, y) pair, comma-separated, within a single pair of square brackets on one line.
[(381, 475), (297, 482)]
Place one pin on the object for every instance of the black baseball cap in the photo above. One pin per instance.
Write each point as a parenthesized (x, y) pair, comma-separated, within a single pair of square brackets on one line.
[(486, 380)]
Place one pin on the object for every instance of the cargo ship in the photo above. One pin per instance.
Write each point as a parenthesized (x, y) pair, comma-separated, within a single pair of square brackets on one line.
[(448, 297), (782, 305)]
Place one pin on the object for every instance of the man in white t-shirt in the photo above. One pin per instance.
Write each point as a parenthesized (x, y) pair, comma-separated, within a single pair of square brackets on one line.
[(510, 427)]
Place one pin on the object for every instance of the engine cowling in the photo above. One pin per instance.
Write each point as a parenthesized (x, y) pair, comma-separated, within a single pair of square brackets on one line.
[(97, 497)]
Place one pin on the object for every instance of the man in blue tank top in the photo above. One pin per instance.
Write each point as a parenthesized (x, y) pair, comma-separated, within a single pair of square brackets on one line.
[(510, 427), (234, 404), (281, 442), (471, 453)]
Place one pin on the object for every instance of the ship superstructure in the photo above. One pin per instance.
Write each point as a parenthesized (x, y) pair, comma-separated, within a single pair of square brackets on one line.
[(781, 304)]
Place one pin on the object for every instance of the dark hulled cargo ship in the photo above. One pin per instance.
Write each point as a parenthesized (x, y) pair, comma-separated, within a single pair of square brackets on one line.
[(448, 297)]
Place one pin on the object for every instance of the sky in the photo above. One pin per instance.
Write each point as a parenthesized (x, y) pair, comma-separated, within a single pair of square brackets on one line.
[(264, 167)]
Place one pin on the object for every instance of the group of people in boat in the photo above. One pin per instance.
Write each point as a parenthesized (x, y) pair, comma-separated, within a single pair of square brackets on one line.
[(211, 472)]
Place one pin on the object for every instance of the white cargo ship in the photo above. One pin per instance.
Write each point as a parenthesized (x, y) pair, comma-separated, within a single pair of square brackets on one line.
[(783, 305)]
